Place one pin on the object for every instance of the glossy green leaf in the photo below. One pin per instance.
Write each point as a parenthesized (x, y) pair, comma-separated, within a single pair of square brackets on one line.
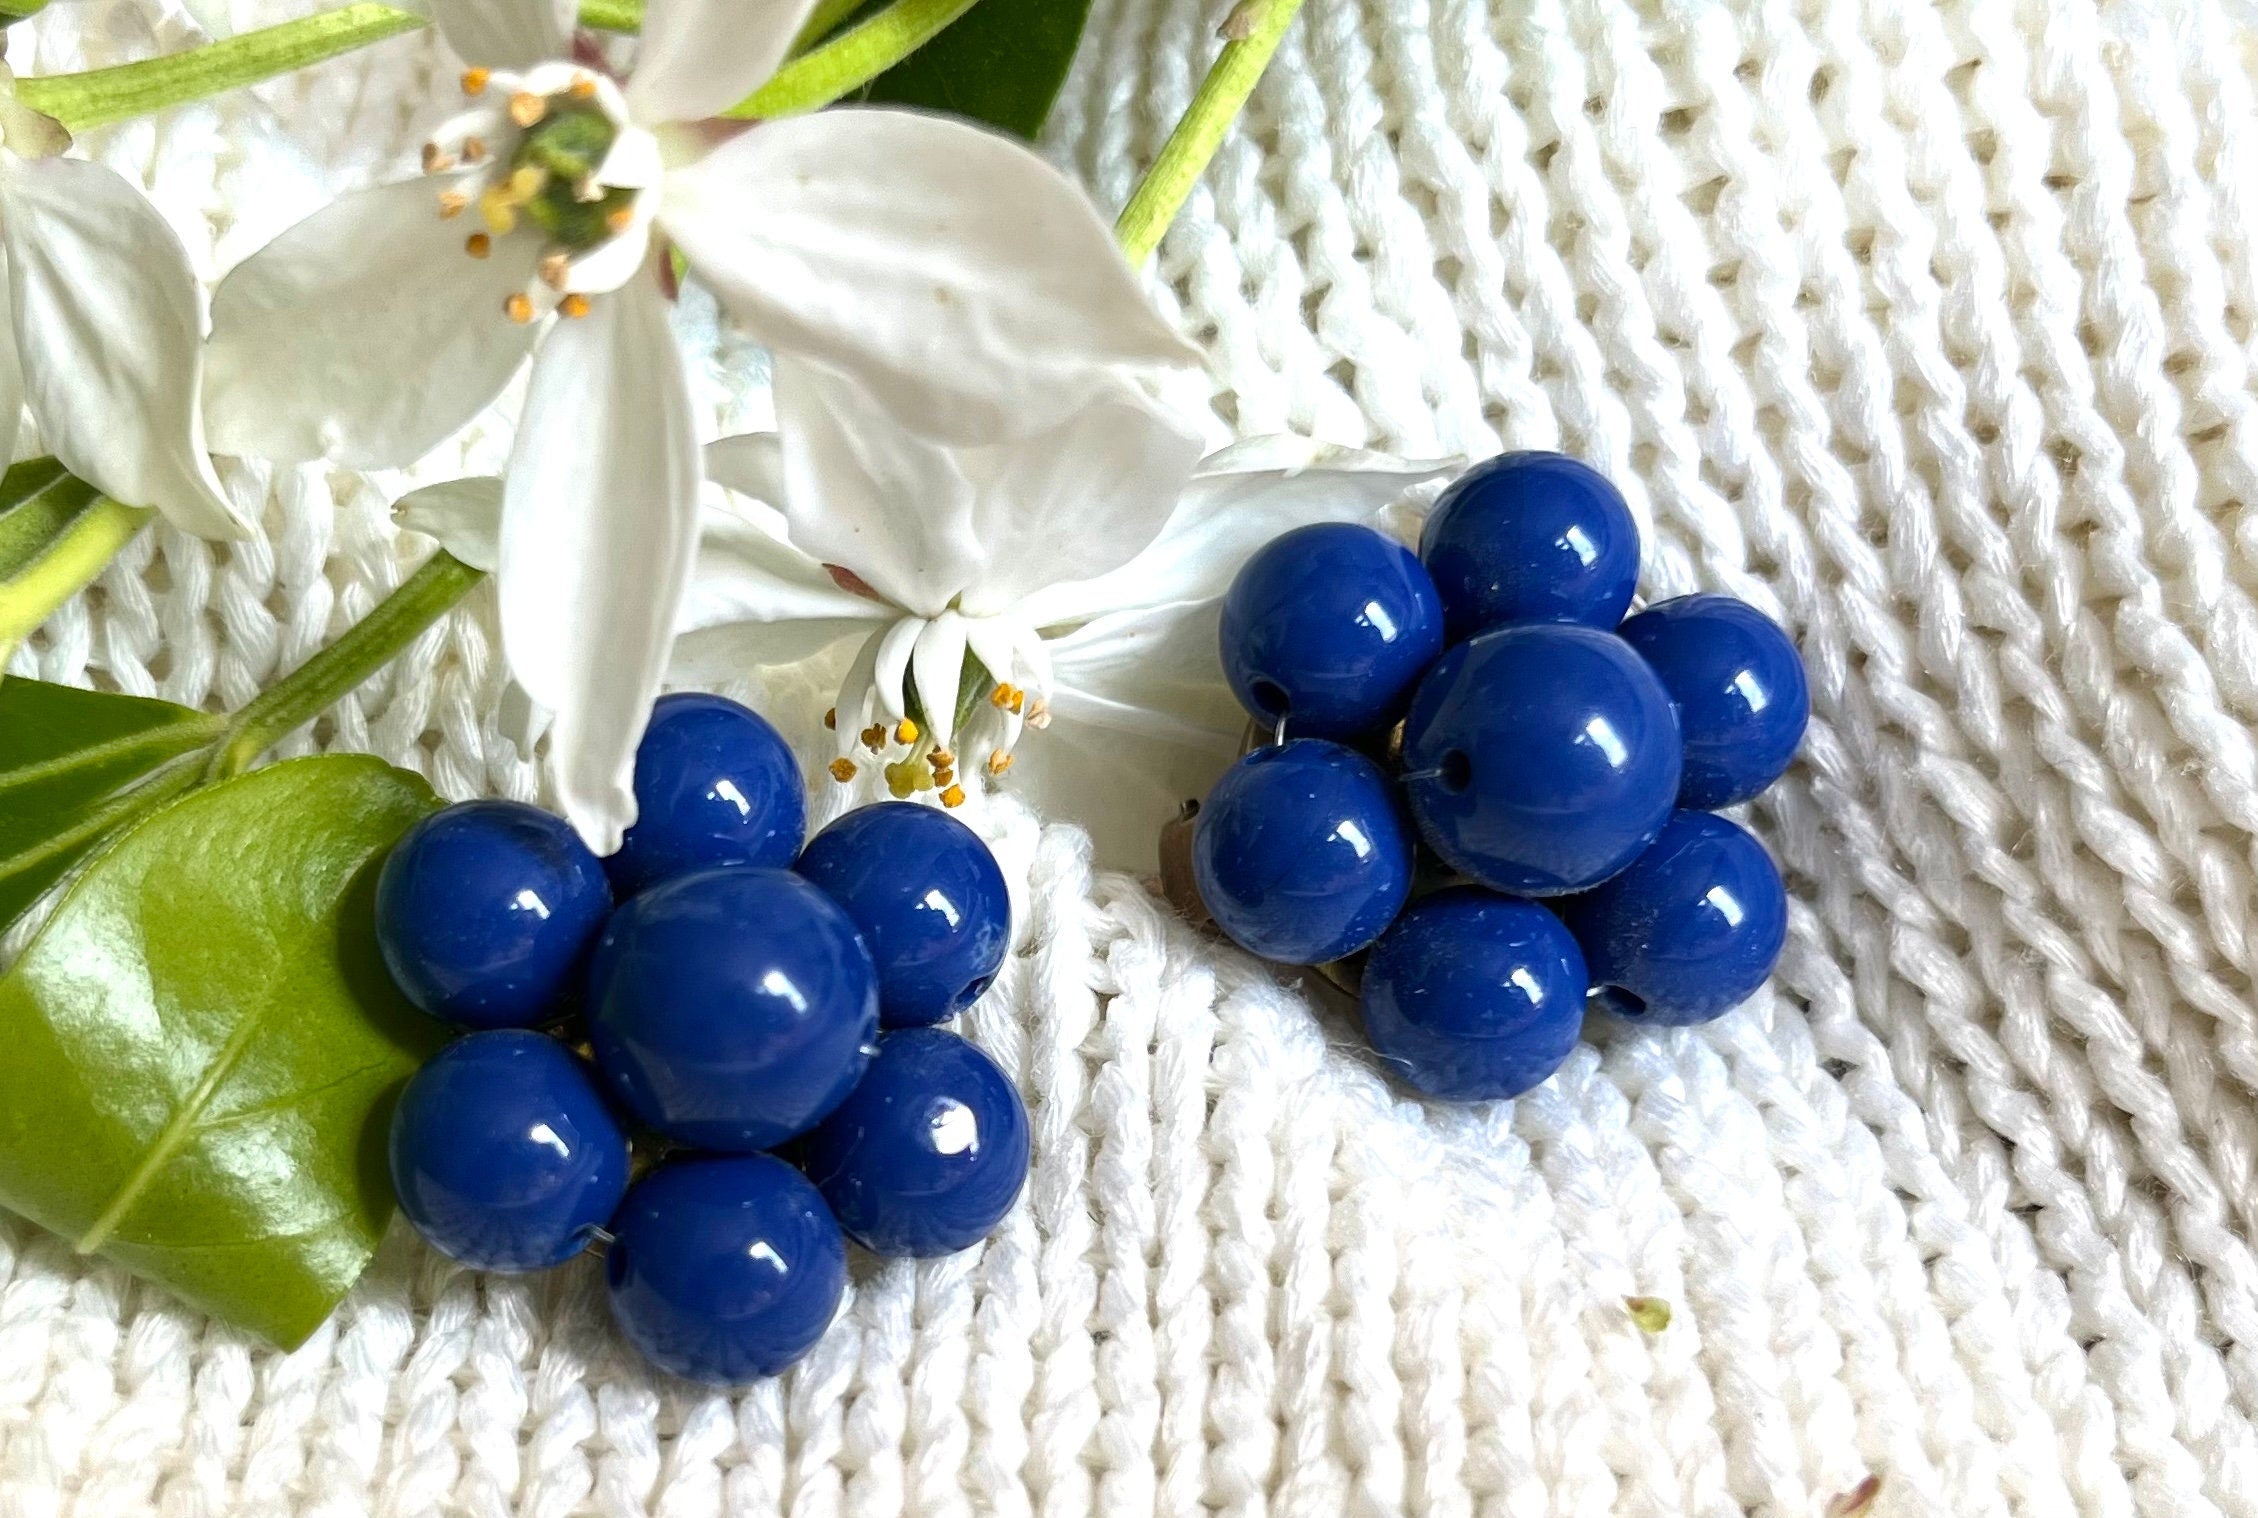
[(77, 765), (1002, 64), (202, 1045)]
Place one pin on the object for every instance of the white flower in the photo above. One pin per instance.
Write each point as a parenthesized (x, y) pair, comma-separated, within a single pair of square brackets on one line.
[(106, 323), (949, 271), (1068, 581)]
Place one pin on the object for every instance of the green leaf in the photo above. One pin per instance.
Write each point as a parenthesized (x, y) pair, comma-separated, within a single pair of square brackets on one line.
[(203, 1045), (1002, 64), (56, 533), (77, 765)]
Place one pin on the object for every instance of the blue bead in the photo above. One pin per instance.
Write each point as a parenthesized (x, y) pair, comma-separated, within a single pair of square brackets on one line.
[(1738, 683), (504, 1154), (1531, 537), (1473, 996), (1329, 626), (1689, 931), (714, 785), (1541, 758), (486, 911), (1302, 852), (725, 1268), (928, 899), (732, 1008), (929, 1152)]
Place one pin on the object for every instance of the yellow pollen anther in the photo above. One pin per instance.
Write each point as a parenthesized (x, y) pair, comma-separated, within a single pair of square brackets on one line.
[(842, 770), (500, 216), (583, 87), (1039, 715), (434, 160), (831, 719), (905, 731), (619, 220), (944, 760), (474, 80), (553, 268), (527, 108), (478, 245), (474, 149), (451, 203), (574, 306), (1003, 697), (998, 762), (526, 182), (519, 308), (874, 736), (953, 796), (943, 774)]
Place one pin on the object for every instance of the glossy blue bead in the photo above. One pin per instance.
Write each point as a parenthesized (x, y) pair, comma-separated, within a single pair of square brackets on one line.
[(1531, 537), (714, 785), (1473, 996), (725, 1268), (1689, 931), (928, 899), (928, 1153), (1739, 686), (1329, 626), (732, 1008), (504, 1154), (1302, 852), (486, 911), (1541, 758)]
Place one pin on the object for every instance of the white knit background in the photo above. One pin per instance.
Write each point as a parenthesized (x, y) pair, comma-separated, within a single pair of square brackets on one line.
[(1931, 328)]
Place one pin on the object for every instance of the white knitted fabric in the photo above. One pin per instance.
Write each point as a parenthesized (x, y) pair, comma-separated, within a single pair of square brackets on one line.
[(1929, 327)]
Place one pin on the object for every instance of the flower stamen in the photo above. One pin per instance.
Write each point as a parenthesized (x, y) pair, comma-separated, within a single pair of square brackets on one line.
[(619, 220), (474, 150), (574, 306), (478, 245), (519, 308), (475, 81), (831, 719), (527, 108), (554, 268), (999, 761), (953, 796), (499, 214), (435, 161), (905, 731), (843, 770), (583, 87)]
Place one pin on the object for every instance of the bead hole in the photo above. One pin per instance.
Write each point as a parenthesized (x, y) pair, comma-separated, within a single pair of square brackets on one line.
[(1455, 773), (1270, 698), (1623, 1003), (974, 992)]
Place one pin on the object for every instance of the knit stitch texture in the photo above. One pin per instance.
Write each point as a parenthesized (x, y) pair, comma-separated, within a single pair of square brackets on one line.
[(1930, 328)]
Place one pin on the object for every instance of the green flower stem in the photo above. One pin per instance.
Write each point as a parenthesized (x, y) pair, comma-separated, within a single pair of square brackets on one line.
[(99, 97), (65, 568), (822, 21), (318, 684), (850, 60), (1186, 154)]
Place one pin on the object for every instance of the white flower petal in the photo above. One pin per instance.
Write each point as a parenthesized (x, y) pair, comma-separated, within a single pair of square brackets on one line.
[(113, 319), (858, 694), (1162, 659), (599, 525), (613, 263), (365, 332), (1074, 502), (995, 642), (750, 463), (862, 493), (1238, 500), (892, 668), (464, 515), (756, 600), (968, 283), (700, 57), (521, 719), (938, 666), (505, 34), (633, 162), (1120, 771)]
